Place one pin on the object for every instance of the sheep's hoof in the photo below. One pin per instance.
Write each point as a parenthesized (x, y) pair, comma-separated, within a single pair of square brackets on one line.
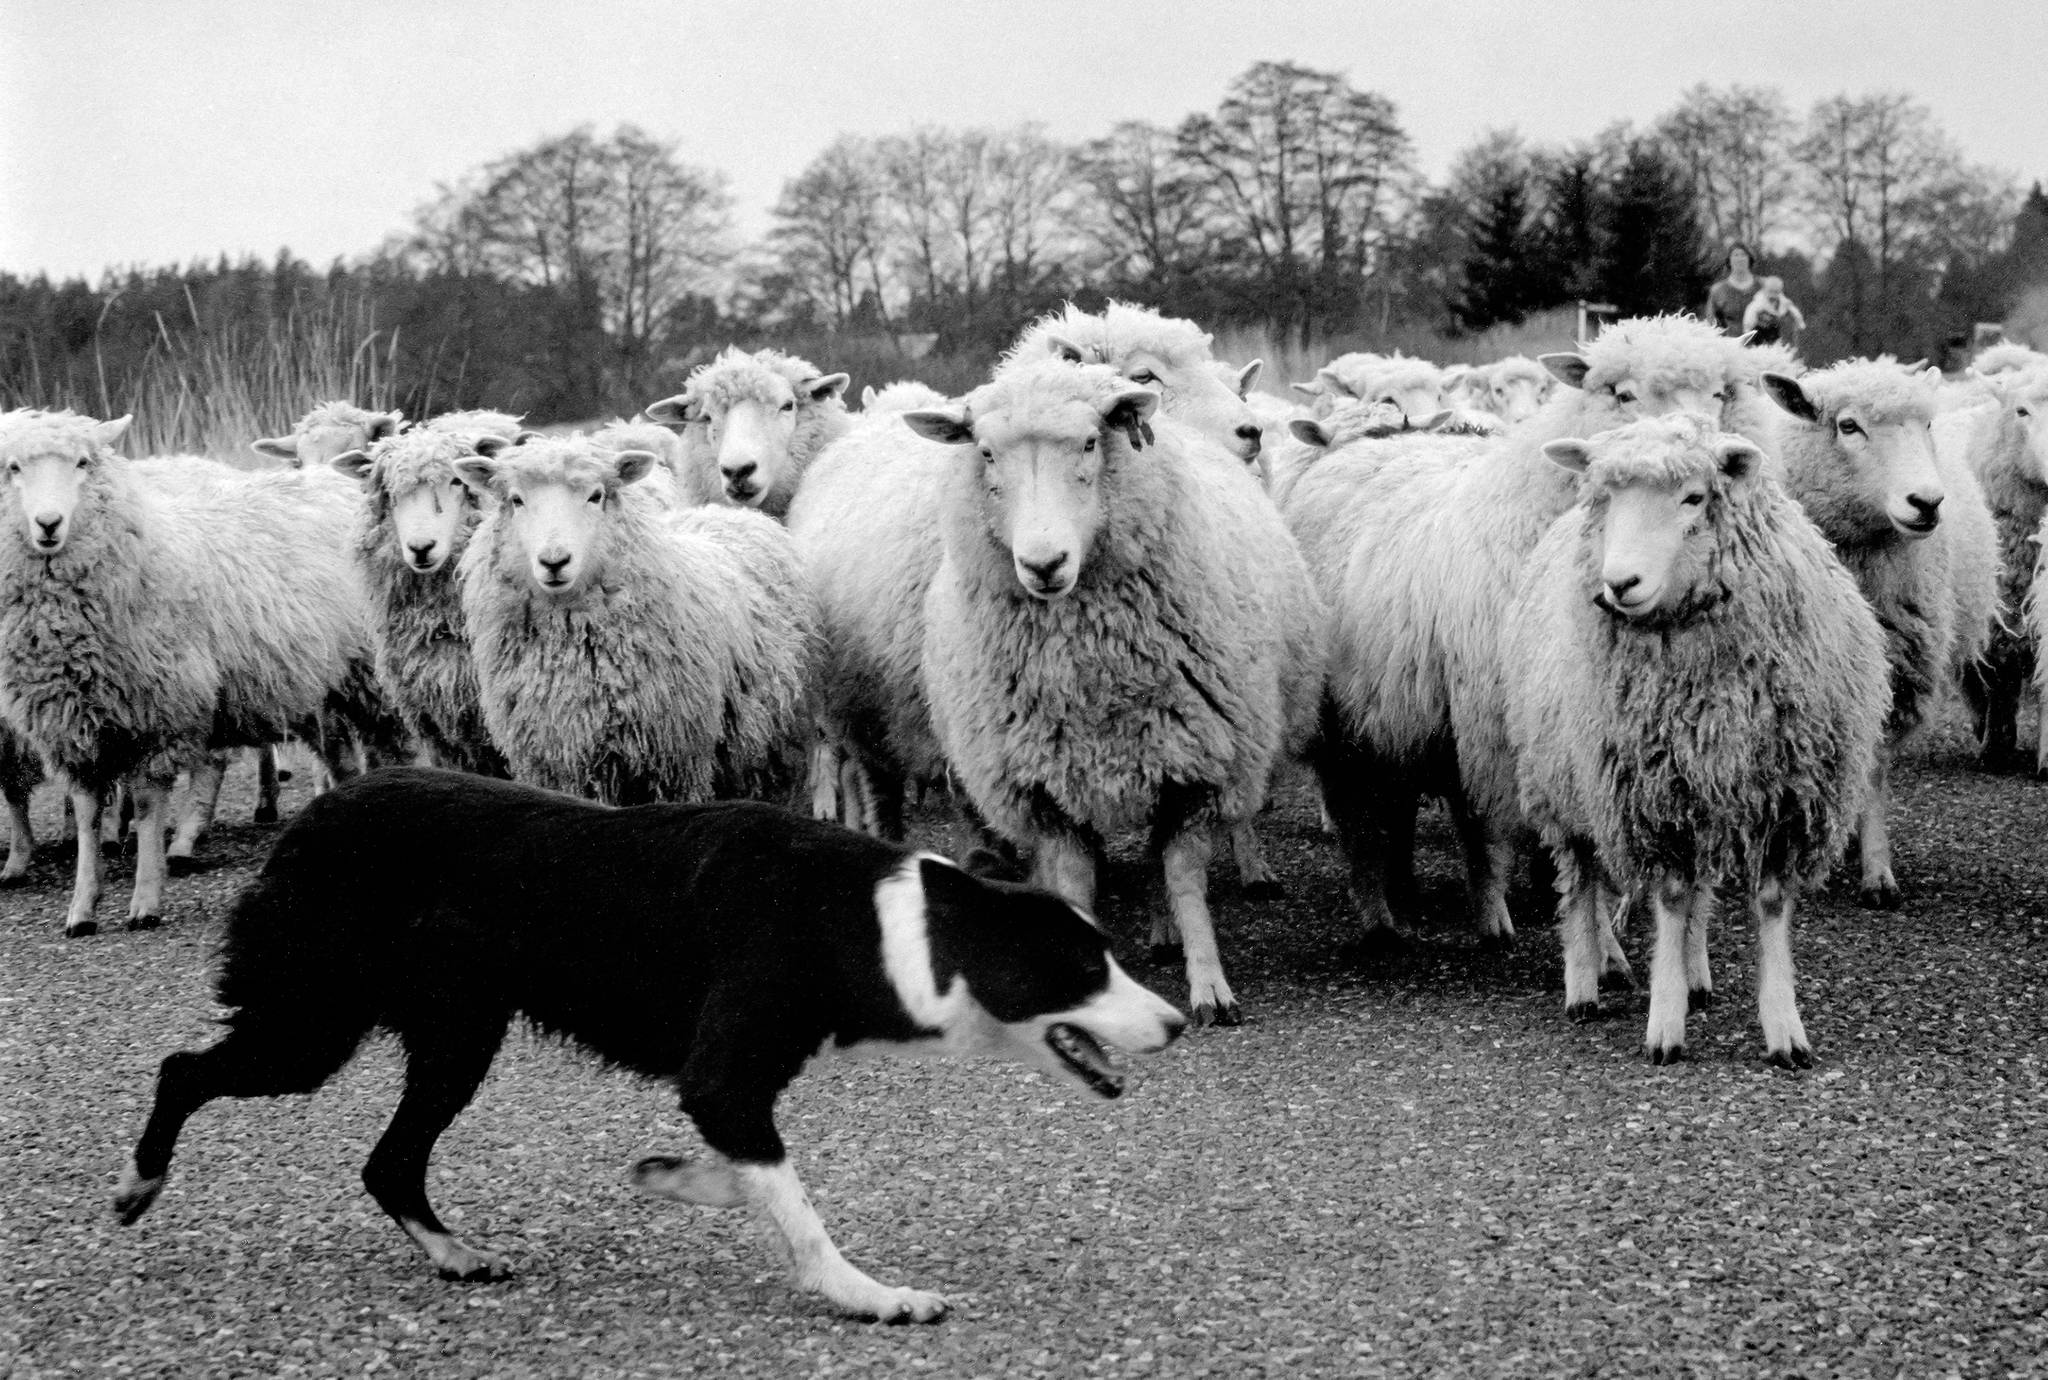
[(1882, 895), (1665, 1054), (1699, 999), (79, 929), (144, 922), (1265, 889), (1620, 978), (182, 865), (1224, 1015), (266, 814), (13, 878), (1163, 954), (1583, 1011), (1794, 1057)]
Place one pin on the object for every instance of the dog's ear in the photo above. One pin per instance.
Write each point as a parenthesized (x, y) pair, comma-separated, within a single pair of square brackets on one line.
[(988, 865)]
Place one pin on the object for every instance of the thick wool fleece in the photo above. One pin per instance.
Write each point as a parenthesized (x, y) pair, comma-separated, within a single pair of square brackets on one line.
[(677, 671), (1991, 439), (476, 422), (1120, 331), (713, 388), (422, 644), (1729, 739), (1372, 377), (689, 484), (1417, 617), (1936, 595), (194, 607), (902, 396), (1180, 656)]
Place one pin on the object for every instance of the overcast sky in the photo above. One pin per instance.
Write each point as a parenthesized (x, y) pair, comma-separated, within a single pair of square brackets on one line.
[(159, 131)]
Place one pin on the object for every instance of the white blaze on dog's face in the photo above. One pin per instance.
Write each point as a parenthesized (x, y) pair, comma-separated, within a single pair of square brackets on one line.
[(1013, 972), (1042, 470), (556, 504), (49, 469)]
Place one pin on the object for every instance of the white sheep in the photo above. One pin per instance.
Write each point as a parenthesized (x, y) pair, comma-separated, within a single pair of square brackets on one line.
[(900, 396), (410, 528), (1696, 693), (329, 429), (2007, 357), (153, 613), (753, 423), (690, 485), (1413, 385), (1121, 633), (2003, 440), (1415, 678), (21, 771), (626, 650), (1912, 526), (1309, 439), (1515, 388)]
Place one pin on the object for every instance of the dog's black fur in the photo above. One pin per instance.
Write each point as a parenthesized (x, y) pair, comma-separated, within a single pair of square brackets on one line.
[(719, 946)]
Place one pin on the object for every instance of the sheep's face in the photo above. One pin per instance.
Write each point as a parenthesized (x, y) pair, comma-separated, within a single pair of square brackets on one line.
[(749, 430), (1649, 529), (554, 511), (1625, 393), (1516, 397), (1880, 480), (1042, 476), (2027, 396), (1207, 395), (429, 518), (49, 474), (322, 442), (1414, 386)]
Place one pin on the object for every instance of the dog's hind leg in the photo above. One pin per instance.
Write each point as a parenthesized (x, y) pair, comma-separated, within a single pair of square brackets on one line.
[(255, 1059), (443, 1070)]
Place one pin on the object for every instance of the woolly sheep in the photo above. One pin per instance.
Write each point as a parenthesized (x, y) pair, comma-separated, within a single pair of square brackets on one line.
[(1309, 439), (329, 429), (625, 650), (1515, 388), (1415, 678), (900, 396), (1696, 691), (1413, 385), (2004, 443), (1912, 526), (1464, 385), (2007, 357), (478, 422), (689, 484), (154, 612), (20, 773), (1169, 355), (756, 422), (1121, 632), (410, 528)]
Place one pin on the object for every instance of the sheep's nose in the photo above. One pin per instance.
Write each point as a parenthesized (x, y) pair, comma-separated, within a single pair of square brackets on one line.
[(740, 472), (1046, 572), (1928, 508), (554, 565), (1618, 589), (421, 550), (49, 522), (1250, 431)]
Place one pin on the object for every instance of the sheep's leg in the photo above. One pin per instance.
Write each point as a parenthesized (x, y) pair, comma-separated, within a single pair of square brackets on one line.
[(1672, 901), (1615, 972), (268, 778), (1784, 1033), (2041, 741), (1185, 860), (1874, 839), (1254, 873), (824, 772), (1064, 864), (857, 794), (1699, 979), (1578, 917), (1347, 775), (152, 808), (116, 817), (200, 803), (86, 808), (21, 836), (1489, 857)]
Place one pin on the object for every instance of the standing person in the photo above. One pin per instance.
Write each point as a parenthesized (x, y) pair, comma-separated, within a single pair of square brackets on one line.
[(1771, 316), (1727, 299)]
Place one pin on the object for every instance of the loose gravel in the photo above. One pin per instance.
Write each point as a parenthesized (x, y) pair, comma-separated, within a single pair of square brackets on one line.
[(1398, 1167)]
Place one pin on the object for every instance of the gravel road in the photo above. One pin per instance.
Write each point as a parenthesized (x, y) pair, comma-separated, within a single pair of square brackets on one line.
[(1416, 1166)]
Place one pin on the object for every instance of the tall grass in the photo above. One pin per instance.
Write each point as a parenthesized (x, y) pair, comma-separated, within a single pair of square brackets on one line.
[(202, 389), (1287, 362)]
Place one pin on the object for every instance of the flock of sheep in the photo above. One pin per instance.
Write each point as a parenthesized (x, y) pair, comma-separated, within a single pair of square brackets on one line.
[(1665, 605)]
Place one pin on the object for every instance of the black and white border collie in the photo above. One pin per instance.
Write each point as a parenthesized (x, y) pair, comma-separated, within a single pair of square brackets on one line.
[(718, 946)]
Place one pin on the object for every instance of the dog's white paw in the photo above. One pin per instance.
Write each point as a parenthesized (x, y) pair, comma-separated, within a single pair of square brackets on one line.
[(134, 1194), (904, 1306), (469, 1265)]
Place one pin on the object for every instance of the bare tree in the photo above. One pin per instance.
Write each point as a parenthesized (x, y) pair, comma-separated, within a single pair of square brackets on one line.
[(834, 232), (1148, 205), (1735, 146)]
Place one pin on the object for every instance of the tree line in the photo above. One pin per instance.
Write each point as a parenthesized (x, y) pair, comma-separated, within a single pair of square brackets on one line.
[(580, 275)]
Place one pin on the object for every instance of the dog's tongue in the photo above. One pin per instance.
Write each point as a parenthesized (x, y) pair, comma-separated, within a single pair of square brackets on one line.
[(1078, 1050)]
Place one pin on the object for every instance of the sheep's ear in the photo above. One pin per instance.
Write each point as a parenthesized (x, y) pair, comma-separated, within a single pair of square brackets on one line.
[(279, 446), (479, 472), (947, 426), (1313, 388), (1249, 376), (824, 386), (1065, 349), (1932, 374), (1436, 421), (635, 465), (1739, 458), (867, 397), (1566, 368), (526, 435), (676, 411), (107, 435), (1787, 393), (1571, 454), (1310, 432), (385, 424), (1332, 385), (488, 446), (1917, 365), (1130, 409), (354, 463)]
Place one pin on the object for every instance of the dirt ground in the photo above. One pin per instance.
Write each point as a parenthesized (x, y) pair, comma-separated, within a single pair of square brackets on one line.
[(1405, 1167)]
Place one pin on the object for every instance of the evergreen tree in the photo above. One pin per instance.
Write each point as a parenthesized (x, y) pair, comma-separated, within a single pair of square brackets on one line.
[(1497, 267), (1654, 256)]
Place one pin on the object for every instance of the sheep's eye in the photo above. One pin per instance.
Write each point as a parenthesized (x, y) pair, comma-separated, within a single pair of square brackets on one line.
[(1088, 445), (82, 462), (1144, 376), (457, 482), (789, 406), (2026, 411), (1848, 427), (987, 454), (14, 467), (1720, 395), (1625, 395), (518, 502), (597, 497), (1693, 500)]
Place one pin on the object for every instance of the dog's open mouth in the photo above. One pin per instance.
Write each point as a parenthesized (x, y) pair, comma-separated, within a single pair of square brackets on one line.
[(1079, 1051)]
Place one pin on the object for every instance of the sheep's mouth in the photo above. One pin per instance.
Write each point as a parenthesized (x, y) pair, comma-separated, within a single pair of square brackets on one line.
[(1917, 529), (742, 493), (1083, 1054)]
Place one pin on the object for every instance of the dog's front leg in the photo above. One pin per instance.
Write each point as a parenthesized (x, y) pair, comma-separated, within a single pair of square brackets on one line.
[(776, 1195)]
